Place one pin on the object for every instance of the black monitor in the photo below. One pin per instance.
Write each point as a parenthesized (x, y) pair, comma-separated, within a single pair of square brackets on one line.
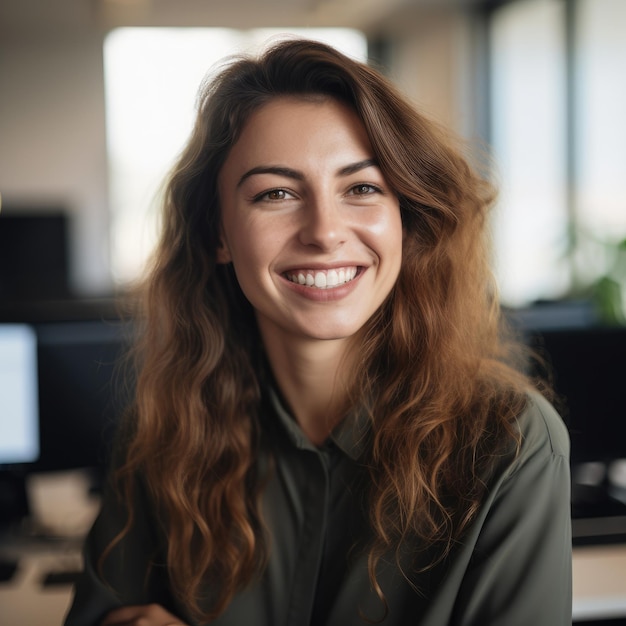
[(589, 369), (69, 390), (82, 391), (34, 254)]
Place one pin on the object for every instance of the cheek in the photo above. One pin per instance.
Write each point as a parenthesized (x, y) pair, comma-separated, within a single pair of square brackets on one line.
[(252, 252), (261, 239), (240, 237), (245, 261), (387, 235), (393, 251)]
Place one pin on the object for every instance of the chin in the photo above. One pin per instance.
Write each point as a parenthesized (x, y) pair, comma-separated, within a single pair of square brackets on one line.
[(336, 333)]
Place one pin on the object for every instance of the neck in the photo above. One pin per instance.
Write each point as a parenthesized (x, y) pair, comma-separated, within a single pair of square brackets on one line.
[(312, 378)]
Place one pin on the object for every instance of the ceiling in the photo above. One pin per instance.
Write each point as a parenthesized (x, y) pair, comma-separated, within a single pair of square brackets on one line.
[(19, 17)]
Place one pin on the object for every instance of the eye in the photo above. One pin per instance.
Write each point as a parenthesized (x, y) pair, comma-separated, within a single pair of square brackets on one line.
[(273, 195), (364, 189)]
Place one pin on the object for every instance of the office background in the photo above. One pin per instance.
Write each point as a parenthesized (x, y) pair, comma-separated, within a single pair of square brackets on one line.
[(537, 85)]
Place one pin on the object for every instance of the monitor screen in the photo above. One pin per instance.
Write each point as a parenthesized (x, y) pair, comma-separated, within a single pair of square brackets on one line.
[(19, 417), (589, 370), (81, 396), (34, 255)]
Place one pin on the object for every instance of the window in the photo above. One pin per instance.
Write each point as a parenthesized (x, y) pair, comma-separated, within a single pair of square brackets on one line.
[(559, 135), (151, 78), (528, 129), (600, 138)]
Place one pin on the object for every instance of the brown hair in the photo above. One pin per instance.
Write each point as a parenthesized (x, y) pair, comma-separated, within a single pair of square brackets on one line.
[(443, 398)]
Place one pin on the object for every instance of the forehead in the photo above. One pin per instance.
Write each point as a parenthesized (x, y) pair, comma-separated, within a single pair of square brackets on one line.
[(284, 108), (299, 132)]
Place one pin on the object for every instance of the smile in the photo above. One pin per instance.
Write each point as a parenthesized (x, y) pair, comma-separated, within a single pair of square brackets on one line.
[(322, 279)]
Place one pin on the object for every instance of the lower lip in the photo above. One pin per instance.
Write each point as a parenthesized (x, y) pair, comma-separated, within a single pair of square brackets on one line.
[(331, 294)]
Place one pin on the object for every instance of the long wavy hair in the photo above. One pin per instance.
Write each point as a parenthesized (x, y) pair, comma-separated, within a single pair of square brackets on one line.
[(442, 393)]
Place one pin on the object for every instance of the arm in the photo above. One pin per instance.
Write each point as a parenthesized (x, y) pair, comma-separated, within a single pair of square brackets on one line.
[(144, 615), (132, 574), (520, 571)]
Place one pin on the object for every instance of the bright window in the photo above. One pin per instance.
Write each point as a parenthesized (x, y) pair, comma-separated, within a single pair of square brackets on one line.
[(528, 136), (600, 137), (558, 128), (152, 76)]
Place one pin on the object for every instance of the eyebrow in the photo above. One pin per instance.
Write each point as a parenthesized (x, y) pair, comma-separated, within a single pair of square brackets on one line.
[(357, 167), (288, 172)]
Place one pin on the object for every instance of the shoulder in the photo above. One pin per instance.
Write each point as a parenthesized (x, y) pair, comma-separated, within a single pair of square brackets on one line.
[(542, 433), (517, 567), (532, 481)]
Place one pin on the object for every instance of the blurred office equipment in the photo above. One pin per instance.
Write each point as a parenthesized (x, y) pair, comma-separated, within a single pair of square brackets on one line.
[(589, 369), (19, 416), (79, 394), (34, 257), (587, 365), (19, 411), (58, 365), (74, 396)]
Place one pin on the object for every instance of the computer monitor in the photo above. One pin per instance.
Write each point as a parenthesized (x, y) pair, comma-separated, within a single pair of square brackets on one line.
[(34, 254), (589, 369), (82, 391), (62, 393), (19, 406), (19, 417)]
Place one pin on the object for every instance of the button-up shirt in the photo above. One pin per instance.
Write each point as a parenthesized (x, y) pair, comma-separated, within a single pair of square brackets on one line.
[(511, 568)]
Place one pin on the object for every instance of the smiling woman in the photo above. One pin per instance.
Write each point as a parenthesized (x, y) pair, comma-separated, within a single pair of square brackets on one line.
[(330, 212), (327, 426), (320, 210)]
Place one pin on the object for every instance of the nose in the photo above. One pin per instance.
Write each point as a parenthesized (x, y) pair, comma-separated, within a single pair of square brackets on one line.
[(324, 224)]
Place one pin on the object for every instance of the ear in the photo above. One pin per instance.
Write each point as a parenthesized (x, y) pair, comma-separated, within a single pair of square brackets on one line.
[(223, 251)]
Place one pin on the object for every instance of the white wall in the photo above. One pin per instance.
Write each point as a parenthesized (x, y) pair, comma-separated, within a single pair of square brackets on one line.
[(52, 140), (433, 59)]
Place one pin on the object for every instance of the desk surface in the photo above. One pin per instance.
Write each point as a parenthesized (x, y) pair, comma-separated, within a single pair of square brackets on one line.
[(599, 582), (599, 585), (25, 602)]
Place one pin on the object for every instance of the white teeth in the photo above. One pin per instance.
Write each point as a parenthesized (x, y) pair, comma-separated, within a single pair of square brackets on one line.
[(323, 279), (332, 278)]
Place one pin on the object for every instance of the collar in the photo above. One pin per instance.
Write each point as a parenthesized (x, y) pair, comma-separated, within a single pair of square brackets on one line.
[(350, 435)]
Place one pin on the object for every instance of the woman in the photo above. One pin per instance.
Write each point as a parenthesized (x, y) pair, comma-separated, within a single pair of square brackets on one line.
[(327, 428)]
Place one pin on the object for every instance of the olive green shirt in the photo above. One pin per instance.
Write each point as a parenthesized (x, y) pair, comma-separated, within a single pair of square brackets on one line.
[(512, 568)]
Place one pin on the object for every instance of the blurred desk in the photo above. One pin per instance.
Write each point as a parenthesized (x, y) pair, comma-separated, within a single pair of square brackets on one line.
[(64, 511), (599, 582), (25, 601)]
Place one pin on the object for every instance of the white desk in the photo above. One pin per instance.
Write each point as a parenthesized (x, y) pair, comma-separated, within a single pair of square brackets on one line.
[(23, 600), (599, 582), (63, 507)]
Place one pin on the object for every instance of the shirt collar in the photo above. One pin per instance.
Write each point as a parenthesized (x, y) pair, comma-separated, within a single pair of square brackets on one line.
[(350, 435)]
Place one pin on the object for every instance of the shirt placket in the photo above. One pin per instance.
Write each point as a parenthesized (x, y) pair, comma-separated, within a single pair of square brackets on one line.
[(311, 547)]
